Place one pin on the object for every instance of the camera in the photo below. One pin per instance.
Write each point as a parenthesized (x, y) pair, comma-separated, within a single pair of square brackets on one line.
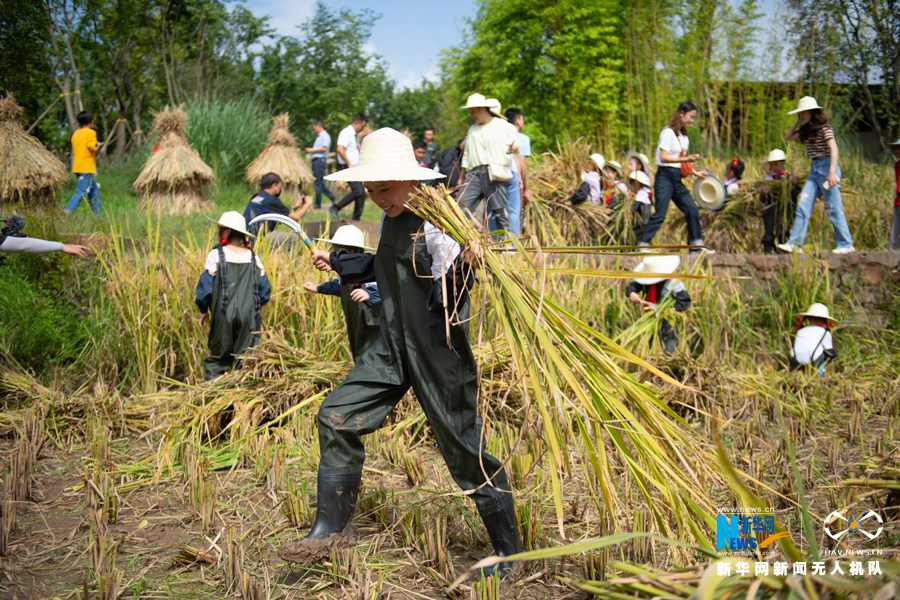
[(12, 227)]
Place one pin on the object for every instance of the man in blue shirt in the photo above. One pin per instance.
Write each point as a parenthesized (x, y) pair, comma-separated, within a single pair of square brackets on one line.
[(267, 202), (318, 153)]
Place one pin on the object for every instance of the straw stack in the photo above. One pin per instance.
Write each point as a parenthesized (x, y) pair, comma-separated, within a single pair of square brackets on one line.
[(28, 171), (283, 158), (173, 177)]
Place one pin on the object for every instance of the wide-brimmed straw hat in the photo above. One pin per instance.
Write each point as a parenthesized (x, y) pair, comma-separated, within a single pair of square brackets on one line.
[(774, 156), (657, 264), (709, 192), (641, 158), (387, 155), (598, 160), (234, 221), (640, 177), (616, 166), (817, 310), (476, 101), (349, 236), (897, 143), (806, 103), (495, 108)]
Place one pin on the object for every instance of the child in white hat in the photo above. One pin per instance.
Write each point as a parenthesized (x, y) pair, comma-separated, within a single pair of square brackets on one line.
[(414, 265), (655, 289), (591, 187), (813, 344), (614, 190), (360, 301), (895, 226), (777, 206), (642, 205), (230, 294)]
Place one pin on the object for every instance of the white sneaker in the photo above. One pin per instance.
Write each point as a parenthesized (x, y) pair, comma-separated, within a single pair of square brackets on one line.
[(706, 250), (843, 250), (789, 248)]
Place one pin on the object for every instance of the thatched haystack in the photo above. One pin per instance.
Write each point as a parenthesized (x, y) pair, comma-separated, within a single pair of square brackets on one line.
[(283, 158), (28, 171), (173, 177)]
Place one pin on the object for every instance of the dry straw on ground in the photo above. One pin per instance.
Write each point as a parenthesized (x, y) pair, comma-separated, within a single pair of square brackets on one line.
[(28, 171), (173, 177), (282, 157)]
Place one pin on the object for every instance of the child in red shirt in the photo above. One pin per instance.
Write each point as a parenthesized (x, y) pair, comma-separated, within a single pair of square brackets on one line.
[(895, 226)]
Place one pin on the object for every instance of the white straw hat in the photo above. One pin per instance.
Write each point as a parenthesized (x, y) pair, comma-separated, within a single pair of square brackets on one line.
[(496, 110), (640, 177), (774, 156), (897, 143), (476, 101), (657, 264), (234, 221), (616, 166), (387, 155), (806, 103), (350, 236), (598, 160), (709, 192), (818, 310), (641, 158)]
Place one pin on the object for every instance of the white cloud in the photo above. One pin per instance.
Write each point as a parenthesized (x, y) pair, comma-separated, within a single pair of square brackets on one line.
[(284, 15), (412, 79)]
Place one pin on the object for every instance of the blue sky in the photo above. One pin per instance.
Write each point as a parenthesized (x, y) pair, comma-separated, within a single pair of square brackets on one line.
[(409, 35)]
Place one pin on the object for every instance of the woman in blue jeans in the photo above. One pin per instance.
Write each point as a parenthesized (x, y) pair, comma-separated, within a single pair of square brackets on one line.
[(671, 152), (812, 128)]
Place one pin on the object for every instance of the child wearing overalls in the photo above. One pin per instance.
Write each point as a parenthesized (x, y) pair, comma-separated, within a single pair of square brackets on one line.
[(813, 344), (778, 200), (656, 289)]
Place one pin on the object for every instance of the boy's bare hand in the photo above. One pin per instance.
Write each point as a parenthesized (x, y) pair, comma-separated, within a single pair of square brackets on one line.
[(359, 295), (204, 319), (309, 286), (321, 260), (633, 296), (473, 254)]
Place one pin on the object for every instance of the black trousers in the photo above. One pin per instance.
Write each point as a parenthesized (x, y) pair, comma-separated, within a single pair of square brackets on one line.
[(318, 167), (668, 187), (357, 195), (777, 217)]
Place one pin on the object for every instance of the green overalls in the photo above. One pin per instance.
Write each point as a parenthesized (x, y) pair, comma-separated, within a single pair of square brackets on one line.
[(363, 323), (412, 352), (233, 314)]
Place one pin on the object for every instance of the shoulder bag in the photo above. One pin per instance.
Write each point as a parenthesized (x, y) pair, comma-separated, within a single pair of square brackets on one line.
[(687, 169)]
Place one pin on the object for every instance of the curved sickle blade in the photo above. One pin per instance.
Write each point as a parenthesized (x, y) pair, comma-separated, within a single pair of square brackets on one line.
[(294, 225)]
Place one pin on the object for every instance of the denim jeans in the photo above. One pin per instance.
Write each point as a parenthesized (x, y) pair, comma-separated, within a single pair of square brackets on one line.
[(514, 198), (318, 167), (834, 208), (87, 188), (668, 186)]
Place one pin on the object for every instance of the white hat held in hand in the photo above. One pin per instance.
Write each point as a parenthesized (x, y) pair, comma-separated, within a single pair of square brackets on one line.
[(774, 156), (234, 221), (641, 178), (387, 155), (476, 101), (818, 310), (657, 264), (709, 192), (598, 160), (806, 103), (349, 236)]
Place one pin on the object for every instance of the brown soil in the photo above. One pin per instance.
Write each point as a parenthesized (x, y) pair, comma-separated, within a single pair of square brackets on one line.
[(312, 551)]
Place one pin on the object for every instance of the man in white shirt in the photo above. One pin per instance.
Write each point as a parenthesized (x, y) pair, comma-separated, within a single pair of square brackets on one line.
[(489, 141), (319, 153), (348, 157)]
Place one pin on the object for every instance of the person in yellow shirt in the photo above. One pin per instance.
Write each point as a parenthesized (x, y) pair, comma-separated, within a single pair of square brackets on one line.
[(84, 164)]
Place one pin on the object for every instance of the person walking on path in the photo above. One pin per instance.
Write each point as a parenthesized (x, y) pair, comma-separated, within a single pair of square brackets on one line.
[(84, 165), (348, 157), (319, 153), (431, 148), (486, 162), (813, 129), (671, 158)]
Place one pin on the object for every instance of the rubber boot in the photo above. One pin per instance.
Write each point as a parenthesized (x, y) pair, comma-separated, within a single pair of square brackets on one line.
[(337, 496), (500, 522)]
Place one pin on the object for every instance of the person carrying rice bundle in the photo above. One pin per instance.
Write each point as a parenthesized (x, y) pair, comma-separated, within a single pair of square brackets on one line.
[(442, 372), (778, 201), (813, 344), (656, 289), (591, 187)]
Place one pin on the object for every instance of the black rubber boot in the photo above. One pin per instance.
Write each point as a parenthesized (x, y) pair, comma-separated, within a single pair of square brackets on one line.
[(337, 496), (500, 522)]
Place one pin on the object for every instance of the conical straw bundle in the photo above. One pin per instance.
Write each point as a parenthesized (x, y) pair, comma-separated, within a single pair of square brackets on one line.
[(283, 158), (173, 177), (28, 171)]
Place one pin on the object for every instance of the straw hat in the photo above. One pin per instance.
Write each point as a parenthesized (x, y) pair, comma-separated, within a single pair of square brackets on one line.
[(350, 236), (774, 156), (387, 155), (897, 143), (640, 177), (641, 158), (598, 160), (234, 221), (494, 107), (709, 192), (806, 103), (476, 101), (817, 310), (657, 264), (616, 166)]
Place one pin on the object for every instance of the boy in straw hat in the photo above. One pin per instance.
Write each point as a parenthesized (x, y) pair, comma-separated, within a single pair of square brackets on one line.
[(777, 207), (230, 294), (813, 344), (895, 226), (360, 301), (414, 264), (655, 289)]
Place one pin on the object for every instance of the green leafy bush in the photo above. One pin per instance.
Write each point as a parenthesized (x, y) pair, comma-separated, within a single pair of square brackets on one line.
[(228, 134)]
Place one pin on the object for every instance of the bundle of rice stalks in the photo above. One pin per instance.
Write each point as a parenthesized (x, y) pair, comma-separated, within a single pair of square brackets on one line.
[(173, 177), (283, 158), (570, 373), (28, 171)]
